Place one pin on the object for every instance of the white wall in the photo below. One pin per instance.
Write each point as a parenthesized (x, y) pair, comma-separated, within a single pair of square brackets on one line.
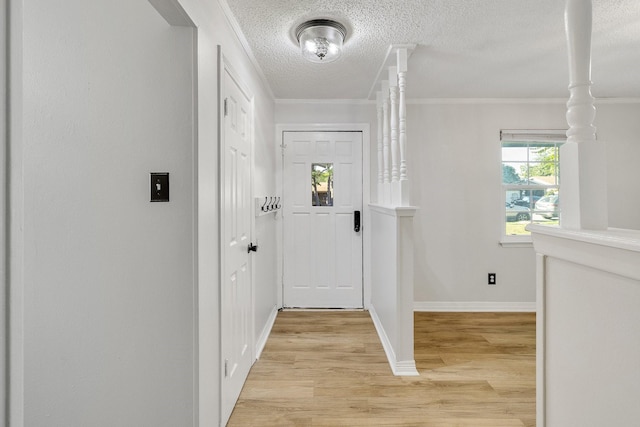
[(454, 165), (109, 282), (384, 279), (592, 363), (264, 184), (619, 128), (111, 307)]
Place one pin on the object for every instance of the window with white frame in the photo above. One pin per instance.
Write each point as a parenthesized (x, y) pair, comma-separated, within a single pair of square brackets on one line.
[(530, 180)]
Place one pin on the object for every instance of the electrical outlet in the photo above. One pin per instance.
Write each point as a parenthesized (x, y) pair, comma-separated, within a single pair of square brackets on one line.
[(492, 279)]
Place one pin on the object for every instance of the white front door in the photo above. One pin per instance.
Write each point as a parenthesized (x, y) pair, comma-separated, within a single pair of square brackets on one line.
[(322, 198), (236, 296)]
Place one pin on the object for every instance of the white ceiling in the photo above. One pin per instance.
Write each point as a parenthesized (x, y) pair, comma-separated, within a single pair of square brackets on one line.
[(466, 48)]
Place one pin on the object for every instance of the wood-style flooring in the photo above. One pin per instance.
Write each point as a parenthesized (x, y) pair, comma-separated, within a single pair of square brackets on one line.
[(329, 369)]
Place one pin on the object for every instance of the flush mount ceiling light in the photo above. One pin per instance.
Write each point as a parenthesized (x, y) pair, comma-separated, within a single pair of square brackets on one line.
[(321, 40)]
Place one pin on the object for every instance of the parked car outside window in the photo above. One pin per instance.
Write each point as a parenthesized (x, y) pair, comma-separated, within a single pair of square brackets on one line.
[(517, 213), (524, 201), (549, 206)]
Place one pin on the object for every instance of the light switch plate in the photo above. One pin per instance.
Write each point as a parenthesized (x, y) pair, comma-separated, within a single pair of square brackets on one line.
[(159, 186)]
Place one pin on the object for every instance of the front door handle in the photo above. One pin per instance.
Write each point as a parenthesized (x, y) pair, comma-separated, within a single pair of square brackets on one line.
[(356, 221), (252, 248)]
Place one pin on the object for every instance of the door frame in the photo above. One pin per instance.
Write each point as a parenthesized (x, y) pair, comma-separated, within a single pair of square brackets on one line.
[(224, 66), (365, 129)]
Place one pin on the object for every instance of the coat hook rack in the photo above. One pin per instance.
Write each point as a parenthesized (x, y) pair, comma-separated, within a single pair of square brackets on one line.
[(267, 204)]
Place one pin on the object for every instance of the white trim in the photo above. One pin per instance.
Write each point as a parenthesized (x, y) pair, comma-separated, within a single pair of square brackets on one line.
[(470, 101), (474, 101), (405, 368), (237, 31), (474, 306), (324, 101), (196, 265), (15, 213), (366, 196), (541, 264), (543, 136), (173, 12), (266, 331), (4, 232), (394, 211), (453, 101), (617, 101), (384, 339), (614, 250), (612, 237), (517, 243)]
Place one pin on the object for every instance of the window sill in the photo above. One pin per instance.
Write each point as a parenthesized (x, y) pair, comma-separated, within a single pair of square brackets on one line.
[(516, 244)]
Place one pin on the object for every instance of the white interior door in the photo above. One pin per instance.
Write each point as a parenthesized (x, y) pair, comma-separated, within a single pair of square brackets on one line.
[(322, 192), (236, 292)]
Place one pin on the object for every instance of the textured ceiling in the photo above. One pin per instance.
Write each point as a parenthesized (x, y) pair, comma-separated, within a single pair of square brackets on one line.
[(466, 48)]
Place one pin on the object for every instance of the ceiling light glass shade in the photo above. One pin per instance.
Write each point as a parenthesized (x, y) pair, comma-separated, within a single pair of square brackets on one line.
[(321, 40)]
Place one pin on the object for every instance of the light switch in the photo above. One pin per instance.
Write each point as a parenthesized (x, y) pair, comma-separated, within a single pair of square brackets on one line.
[(159, 186)]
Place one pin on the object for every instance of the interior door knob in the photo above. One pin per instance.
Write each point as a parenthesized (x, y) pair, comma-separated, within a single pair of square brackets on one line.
[(252, 248)]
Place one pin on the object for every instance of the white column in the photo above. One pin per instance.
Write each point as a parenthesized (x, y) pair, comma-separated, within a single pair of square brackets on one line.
[(385, 143), (380, 151), (402, 118), (583, 159), (393, 96), (395, 155)]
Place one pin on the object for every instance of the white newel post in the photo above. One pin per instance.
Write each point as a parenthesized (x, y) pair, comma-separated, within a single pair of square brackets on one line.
[(385, 141), (583, 159), (380, 153), (585, 267), (395, 166), (402, 116)]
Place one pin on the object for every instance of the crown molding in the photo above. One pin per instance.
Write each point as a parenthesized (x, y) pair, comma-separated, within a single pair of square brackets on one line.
[(455, 101), (617, 101), (463, 101), (235, 26), (324, 101)]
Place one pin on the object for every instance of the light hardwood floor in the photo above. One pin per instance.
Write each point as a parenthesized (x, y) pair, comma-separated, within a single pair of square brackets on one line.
[(329, 369)]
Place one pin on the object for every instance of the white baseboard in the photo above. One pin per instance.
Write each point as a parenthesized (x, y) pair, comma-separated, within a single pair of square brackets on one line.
[(477, 306), (406, 368), (384, 339), (266, 331), (399, 368)]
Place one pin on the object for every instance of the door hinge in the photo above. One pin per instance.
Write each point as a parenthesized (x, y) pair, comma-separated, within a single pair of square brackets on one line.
[(226, 367), (226, 110)]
